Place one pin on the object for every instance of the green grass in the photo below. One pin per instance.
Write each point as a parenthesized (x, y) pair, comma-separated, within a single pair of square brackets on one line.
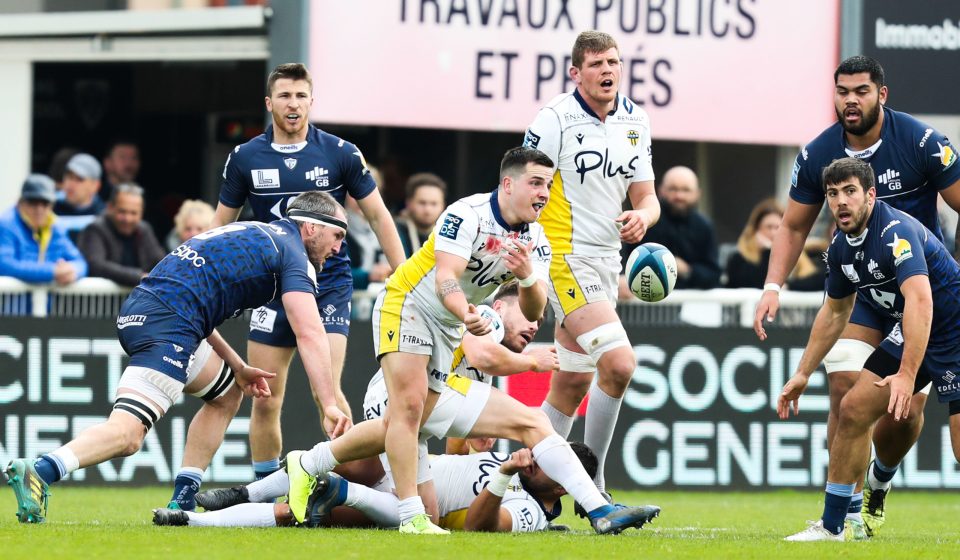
[(113, 523)]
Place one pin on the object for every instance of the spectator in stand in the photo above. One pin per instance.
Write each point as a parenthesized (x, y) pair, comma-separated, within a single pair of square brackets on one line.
[(121, 164), (194, 216), (34, 248), (368, 263), (686, 232), (119, 245), (747, 268), (426, 199), (58, 167), (81, 203)]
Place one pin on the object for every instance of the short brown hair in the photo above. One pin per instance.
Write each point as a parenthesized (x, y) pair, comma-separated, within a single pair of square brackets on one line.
[(291, 71), (591, 42), (418, 180), (846, 168)]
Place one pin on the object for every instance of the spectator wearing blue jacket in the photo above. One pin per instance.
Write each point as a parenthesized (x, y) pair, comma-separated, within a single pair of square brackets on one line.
[(33, 248)]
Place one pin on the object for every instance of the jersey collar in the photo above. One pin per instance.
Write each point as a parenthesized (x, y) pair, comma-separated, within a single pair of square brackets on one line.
[(495, 207), (866, 153), (289, 148), (586, 108)]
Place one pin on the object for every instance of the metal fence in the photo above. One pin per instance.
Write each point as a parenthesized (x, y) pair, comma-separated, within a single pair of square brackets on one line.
[(98, 298)]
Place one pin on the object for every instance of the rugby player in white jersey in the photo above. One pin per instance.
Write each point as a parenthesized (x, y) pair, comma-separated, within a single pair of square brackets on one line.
[(479, 492), (600, 141), (480, 242)]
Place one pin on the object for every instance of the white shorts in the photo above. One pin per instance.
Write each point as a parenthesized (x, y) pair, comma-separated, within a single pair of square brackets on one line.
[(576, 280), (460, 404), (400, 325)]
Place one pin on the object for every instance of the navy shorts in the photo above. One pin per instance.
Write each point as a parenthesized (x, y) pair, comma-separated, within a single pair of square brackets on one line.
[(941, 365), (154, 337), (864, 314), (269, 325)]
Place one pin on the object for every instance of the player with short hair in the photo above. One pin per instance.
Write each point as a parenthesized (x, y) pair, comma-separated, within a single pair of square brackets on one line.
[(291, 157), (600, 142), (480, 242), (905, 274), (206, 280), (479, 492), (912, 163)]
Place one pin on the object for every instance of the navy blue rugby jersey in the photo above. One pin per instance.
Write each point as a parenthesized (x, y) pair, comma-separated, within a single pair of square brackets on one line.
[(892, 248), (217, 274), (912, 163), (268, 176)]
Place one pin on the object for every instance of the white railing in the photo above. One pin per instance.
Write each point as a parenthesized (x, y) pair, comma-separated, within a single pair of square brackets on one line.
[(99, 297)]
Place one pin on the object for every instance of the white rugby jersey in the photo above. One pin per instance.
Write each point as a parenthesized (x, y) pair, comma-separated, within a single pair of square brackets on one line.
[(460, 479), (472, 228), (596, 163)]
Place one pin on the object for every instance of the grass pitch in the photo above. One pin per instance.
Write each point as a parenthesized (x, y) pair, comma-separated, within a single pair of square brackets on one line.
[(115, 523)]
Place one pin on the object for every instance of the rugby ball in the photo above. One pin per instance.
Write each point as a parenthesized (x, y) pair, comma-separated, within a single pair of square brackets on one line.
[(651, 272)]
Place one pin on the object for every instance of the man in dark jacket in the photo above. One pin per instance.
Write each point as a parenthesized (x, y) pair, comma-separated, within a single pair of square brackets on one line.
[(119, 245), (685, 231)]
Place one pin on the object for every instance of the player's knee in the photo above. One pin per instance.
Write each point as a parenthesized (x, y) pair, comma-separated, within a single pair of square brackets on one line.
[(131, 439), (854, 414), (228, 403), (536, 426), (268, 409), (406, 408), (609, 347), (618, 369)]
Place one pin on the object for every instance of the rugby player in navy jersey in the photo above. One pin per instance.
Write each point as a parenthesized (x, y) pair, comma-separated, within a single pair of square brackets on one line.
[(291, 157), (206, 280), (912, 163), (886, 259)]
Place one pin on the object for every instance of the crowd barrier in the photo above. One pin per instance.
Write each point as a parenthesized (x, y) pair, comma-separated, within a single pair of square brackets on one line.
[(699, 412)]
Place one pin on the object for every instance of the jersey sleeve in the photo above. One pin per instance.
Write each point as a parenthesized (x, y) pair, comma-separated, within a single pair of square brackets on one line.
[(838, 285), (541, 257), (805, 184), (297, 274), (234, 189), (525, 513), (544, 134), (644, 156), (938, 159), (456, 230), (356, 175), (902, 247)]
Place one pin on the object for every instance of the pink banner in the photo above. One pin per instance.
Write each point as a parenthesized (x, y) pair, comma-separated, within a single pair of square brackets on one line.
[(750, 71)]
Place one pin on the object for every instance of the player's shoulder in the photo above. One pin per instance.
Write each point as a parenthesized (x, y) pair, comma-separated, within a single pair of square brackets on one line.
[(627, 112), (827, 146), (905, 126), (478, 203), (322, 139), (252, 146)]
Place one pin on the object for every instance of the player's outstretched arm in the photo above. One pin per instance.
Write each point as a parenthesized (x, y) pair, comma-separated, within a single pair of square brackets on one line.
[(829, 323), (917, 318), (496, 359), (224, 215), (252, 381), (533, 290), (381, 221), (301, 308)]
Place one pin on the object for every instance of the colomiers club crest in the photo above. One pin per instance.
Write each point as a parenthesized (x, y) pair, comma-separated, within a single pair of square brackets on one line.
[(290, 163)]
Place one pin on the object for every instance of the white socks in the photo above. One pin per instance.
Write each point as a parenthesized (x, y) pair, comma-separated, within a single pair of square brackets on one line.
[(242, 515), (319, 459), (560, 463), (68, 458), (602, 413), (269, 488), (562, 424), (410, 508), (381, 507)]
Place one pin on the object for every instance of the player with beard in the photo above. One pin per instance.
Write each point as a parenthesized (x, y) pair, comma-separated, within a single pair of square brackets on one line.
[(908, 278), (912, 163), (211, 277)]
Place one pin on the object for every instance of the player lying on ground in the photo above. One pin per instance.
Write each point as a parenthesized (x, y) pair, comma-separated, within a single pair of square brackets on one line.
[(211, 277), (888, 259), (479, 492)]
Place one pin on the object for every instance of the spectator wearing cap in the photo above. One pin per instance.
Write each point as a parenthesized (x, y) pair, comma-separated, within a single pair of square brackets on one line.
[(119, 245), (33, 247), (81, 203)]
